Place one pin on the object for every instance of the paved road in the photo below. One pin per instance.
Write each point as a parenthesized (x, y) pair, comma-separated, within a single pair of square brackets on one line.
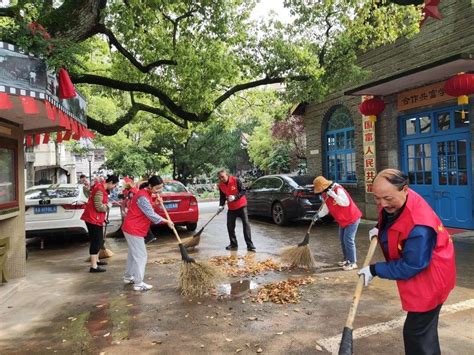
[(61, 307)]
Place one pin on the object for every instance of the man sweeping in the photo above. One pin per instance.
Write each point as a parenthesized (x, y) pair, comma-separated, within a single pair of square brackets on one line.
[(233, 191), (419, 255)]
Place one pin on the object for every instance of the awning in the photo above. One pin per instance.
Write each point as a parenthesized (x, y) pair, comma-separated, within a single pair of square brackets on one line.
[(28, 97), (416, 77)]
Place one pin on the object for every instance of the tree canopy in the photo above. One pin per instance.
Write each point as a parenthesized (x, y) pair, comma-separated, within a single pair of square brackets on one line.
[(180, 60)]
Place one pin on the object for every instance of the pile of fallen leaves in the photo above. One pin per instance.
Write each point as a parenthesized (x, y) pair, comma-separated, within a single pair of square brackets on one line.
[(165, 261), (282, 292), (244, 265)]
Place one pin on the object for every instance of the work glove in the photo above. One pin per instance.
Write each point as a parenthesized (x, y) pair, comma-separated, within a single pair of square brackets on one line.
[(365, 271), (332, 194), (220, 209), (315, 218), (374, 232), (231, 198)]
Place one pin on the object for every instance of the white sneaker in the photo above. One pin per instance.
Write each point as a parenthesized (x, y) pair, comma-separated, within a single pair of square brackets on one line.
[(142, 287), (349, 267), (128, 280), (343, 263)]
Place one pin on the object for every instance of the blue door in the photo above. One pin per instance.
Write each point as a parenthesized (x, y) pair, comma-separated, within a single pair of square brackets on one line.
[(436, 154)]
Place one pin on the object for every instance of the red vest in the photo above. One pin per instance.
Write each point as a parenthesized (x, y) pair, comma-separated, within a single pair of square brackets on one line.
[(90, 214), (136, 222), (343, 215), (231, 189), (431, 287)]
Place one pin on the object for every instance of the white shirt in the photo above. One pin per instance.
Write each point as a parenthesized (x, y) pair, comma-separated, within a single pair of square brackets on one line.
[(341, 199)]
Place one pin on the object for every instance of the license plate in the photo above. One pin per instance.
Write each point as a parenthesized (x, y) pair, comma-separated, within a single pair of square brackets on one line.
[(45, 209), (170, 206)]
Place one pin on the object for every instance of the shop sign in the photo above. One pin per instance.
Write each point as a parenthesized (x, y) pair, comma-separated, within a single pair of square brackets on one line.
[(368, 139), (424, 96)]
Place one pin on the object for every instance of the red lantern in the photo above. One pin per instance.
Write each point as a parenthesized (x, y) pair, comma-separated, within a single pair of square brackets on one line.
[(37, 139), (29, 141), (5, 102), (46, 138), (372, 108), (460, 85), (66, 88), (67, 135), (59, 137), (29, 105)]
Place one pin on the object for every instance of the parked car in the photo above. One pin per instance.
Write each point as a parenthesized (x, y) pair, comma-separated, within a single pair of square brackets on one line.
[(181, 205), (57, 208), (284, 198)]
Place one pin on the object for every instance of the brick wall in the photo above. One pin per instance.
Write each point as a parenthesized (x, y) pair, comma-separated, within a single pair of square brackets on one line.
[(437, 40)]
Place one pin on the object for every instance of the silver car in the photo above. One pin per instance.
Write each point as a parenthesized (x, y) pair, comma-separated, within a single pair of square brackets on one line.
[(58, 208)]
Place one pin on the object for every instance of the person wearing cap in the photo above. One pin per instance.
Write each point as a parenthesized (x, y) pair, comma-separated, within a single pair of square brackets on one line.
[(419, 255), (338, 203)]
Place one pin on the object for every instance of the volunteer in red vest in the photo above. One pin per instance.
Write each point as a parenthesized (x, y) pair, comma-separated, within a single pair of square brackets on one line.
[(135, 228), (338, 203), (95, 215), (232, 190), (419, 255)]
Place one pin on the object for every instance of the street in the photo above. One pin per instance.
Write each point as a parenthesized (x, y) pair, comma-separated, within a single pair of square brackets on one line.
[(61, 308)]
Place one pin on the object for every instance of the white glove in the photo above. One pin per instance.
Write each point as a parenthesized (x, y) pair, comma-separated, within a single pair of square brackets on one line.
[(332, 194), (220, 209), (365, 271), (374, 232), (315, 217), (231, 198)]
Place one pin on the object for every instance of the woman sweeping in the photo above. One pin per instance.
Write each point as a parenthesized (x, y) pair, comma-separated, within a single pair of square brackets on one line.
[(339, 204), (95, 215), (135, 228)]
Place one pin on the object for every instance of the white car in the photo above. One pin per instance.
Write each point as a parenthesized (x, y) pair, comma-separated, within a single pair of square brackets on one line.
[(58, 208)]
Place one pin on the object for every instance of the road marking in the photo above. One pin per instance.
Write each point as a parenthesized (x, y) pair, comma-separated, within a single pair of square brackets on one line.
[(331, 344)]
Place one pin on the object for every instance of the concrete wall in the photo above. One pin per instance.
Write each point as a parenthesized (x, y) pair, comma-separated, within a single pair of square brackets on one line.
[(452, 35), (12, 224)]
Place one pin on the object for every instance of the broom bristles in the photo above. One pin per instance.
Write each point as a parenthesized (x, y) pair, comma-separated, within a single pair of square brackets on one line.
[(198, 278), (192, 242), (299, 256), (105, 253)]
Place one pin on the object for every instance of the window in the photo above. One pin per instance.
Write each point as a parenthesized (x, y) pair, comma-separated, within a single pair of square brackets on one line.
[(8, 173), (340, 146), (173, 186)]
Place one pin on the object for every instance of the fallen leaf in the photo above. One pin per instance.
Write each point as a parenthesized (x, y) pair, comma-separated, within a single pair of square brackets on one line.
[(64, 340), (100, 306), (247, 345), (130, 305), (252, 318), (202, 346), (318, 348), (238, 350), (104, 321), (228, 339), (259, 350), (102, 353), (279, 333), (157, 342), (106, 334)]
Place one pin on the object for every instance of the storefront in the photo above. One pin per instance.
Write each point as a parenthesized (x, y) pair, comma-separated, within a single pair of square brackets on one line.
[(420, 129), (30, 112)]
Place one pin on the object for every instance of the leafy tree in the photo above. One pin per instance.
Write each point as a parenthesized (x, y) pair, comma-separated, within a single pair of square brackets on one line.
[(180, 60)]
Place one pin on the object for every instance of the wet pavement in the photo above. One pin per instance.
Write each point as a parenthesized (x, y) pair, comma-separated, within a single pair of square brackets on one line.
[(61, 308)]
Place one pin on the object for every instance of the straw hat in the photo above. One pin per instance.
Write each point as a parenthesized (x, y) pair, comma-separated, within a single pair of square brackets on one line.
[(321, 184)]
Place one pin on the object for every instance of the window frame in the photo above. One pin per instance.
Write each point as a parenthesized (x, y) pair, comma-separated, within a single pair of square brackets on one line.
[(346, 151), (10, 144)]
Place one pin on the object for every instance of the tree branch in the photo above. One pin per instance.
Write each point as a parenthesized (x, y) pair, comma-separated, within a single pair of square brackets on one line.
[(164, 99), (253, 84), (159, 112), (143, 68), (11, 11), (175, 22), (322, 53)]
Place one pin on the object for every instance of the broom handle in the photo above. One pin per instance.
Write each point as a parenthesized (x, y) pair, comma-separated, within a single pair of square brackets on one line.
[(205, 225), (312, 220), (168, 218), (360, 285)]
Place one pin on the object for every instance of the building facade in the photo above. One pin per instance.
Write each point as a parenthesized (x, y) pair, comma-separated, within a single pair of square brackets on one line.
[(422, 130)]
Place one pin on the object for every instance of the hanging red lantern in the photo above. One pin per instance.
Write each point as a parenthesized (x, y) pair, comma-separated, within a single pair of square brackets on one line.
[(46, 138), (460, 85), (37, 139), (5, 102), (67, 135), (29, 141), (372, 108), (29, 105), (66, 88)]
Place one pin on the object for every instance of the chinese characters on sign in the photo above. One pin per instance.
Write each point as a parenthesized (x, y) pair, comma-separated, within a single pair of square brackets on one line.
[(425, 96), (370, 169)]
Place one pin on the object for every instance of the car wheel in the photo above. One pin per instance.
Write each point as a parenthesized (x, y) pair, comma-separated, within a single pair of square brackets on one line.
[(278, 214), (191, 227)]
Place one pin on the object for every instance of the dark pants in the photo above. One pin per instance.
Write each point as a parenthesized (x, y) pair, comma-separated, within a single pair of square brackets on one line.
[(231, 217), (420, 333), (96, 236)]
